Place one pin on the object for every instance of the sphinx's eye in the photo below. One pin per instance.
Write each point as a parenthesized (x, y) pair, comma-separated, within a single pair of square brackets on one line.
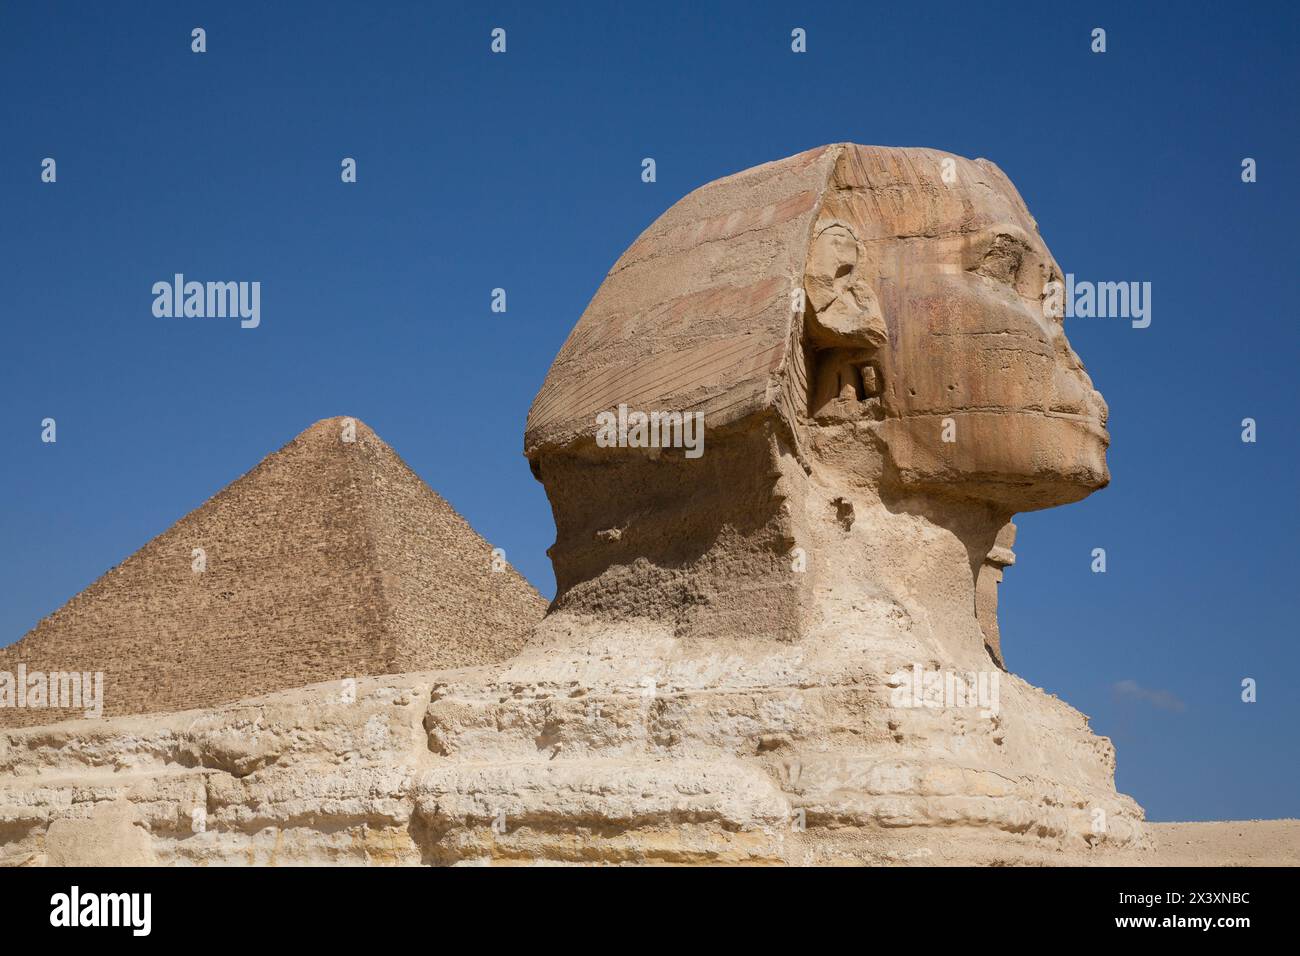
[(1003, 259)]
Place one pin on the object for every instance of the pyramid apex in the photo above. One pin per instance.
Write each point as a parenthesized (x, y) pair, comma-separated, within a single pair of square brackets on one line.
[(334, 428), (334, 421)]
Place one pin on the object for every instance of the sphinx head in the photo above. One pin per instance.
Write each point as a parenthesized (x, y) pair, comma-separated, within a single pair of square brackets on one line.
[(858, 327)]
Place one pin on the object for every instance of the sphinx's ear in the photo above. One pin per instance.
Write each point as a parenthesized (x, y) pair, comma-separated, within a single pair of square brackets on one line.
[(843, 327), (843, 311)]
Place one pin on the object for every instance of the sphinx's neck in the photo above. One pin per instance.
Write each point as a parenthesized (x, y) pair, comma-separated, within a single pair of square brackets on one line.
[(932, 559)]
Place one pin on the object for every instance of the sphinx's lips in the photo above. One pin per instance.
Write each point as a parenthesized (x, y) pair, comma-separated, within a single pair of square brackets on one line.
[(1091, 423)]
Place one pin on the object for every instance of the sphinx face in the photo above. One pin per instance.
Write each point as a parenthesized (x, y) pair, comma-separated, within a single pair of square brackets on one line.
[(985, 395), (981, 395)]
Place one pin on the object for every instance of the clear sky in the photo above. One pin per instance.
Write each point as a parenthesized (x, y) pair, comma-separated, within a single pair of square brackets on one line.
[(522, 171)]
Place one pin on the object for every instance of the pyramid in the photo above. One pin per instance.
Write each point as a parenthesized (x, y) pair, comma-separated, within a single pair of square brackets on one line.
[(331, 559)]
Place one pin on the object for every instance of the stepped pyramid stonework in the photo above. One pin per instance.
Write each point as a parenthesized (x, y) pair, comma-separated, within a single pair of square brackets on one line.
[(330, 559), (784, 650)]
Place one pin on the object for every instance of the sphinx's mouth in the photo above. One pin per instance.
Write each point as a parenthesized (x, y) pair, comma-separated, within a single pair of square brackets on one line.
[(1096, 425)]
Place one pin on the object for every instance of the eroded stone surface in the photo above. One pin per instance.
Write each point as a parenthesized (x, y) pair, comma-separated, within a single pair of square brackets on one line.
[(863, 329), (459, 767)]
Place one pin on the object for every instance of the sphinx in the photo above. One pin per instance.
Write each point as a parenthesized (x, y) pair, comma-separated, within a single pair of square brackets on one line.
[(721, 673)]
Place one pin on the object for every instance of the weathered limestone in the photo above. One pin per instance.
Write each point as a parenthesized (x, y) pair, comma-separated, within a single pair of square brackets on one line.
[(330, 559), (863, 329), (420, 768), (783, 651), (989, 576)]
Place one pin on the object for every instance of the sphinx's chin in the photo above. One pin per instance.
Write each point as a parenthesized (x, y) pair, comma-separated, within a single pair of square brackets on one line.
[(1075, 469), (1013, 459)]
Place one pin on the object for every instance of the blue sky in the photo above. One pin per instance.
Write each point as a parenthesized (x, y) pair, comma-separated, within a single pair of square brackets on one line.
[(522, 171)]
